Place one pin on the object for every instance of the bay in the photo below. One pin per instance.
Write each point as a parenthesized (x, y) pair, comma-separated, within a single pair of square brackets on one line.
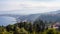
[(6, 20)]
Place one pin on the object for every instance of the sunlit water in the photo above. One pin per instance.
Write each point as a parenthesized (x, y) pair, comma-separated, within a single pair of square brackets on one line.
[(5, 20)]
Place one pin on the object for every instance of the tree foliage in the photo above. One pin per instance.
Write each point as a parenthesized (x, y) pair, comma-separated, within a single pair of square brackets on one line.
[(37, 27)]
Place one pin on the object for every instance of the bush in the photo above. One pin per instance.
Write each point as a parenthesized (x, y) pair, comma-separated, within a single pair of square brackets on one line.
[(4, 33), (52, 31)]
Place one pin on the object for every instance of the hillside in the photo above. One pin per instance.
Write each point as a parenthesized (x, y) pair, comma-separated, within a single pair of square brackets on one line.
[(49, 16)]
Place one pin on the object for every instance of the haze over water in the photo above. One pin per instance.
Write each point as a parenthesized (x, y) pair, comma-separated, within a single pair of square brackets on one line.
[(5, 20)]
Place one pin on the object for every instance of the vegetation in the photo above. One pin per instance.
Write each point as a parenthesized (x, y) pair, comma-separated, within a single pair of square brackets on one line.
[(38, 27)]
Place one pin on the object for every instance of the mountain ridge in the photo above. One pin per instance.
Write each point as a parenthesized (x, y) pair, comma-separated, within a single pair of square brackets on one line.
[(49, 16)]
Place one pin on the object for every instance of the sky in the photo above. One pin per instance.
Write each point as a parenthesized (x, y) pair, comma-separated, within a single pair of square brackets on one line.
[(28, 6)]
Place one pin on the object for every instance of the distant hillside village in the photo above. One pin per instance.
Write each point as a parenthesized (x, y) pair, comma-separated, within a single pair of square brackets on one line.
[(55, 25)]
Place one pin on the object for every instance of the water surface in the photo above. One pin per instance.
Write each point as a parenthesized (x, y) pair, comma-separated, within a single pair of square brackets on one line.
[(6, 20)]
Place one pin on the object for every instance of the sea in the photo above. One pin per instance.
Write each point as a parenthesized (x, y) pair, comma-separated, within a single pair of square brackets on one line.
[(6, 20)]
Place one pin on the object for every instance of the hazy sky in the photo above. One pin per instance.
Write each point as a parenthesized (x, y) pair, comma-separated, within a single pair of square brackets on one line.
[(29, 6)]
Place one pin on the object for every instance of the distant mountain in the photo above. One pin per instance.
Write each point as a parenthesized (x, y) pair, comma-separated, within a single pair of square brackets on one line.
[(11, 15), (50, 16), (54, 12), (53, 16), (29, 18)]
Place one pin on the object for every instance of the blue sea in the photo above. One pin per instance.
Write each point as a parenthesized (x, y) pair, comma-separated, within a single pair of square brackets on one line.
[(6, 20)]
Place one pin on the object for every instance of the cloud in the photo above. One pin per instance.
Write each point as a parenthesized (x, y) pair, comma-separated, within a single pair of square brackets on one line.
[(29, 6)]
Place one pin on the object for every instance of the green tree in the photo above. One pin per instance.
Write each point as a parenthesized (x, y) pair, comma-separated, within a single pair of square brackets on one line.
[(39, 26), (50, 32), (17, 30), (10, 28)]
